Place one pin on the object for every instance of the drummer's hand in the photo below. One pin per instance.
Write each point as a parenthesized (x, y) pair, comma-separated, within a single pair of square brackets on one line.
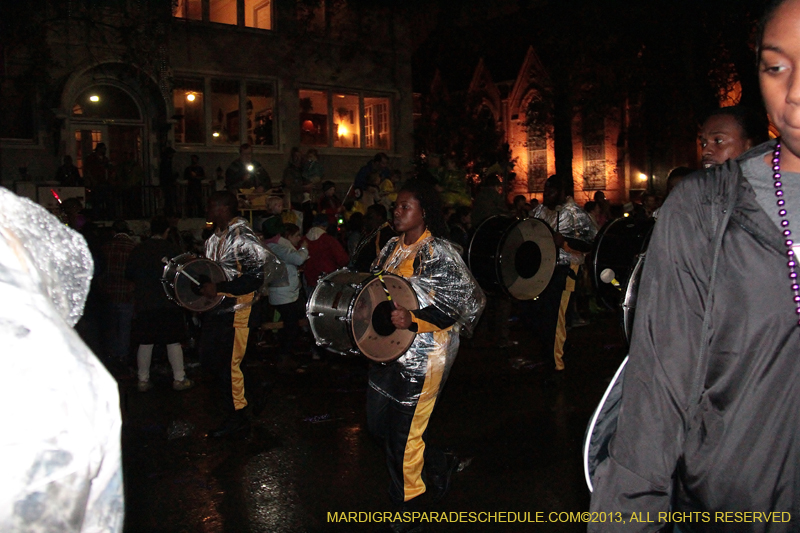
[(209, 289), (559, 240), (401, 317)]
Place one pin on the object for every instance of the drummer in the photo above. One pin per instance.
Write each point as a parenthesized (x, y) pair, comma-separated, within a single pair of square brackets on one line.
[(402, 394), (225, 329), (573, 235)]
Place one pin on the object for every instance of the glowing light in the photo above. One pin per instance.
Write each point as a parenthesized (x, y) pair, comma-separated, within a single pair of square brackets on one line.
[(190, 97), (250, 168), (94, 98), (626, 214), (642, 177), (215, 134), (342, 130)]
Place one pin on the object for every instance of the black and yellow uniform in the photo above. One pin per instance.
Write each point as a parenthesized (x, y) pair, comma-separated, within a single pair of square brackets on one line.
[(226, 328), (402, 394)]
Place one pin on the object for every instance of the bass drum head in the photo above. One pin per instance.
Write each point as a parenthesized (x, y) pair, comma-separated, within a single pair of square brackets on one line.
[(185, 292), (514, 256), (630, 297), (616, 247), (372, 330)]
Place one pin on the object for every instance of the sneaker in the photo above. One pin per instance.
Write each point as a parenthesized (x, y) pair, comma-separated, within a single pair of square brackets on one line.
[(145, 386), (183, 384)]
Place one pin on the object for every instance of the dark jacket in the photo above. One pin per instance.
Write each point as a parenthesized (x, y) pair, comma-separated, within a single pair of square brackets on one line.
[(145, 269), (736, 447)]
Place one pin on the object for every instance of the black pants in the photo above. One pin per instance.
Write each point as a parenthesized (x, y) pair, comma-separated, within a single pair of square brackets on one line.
[(291, 314), (542, 313), (222, 353), (393, 425)]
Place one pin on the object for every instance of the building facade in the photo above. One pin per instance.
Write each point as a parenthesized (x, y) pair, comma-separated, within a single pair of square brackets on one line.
[(202, 80)]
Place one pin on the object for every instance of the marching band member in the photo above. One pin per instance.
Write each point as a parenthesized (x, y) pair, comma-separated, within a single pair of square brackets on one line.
[(402, 394)]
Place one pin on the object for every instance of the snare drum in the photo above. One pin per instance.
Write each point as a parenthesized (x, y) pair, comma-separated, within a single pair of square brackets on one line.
[(349, 314), (183, 276), (616, 246), (513, 256)]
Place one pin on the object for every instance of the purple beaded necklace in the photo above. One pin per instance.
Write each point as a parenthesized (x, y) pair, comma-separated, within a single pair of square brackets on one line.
[(787, 233)]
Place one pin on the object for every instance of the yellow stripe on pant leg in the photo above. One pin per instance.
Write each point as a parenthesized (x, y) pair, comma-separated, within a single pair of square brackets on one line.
[(414, 456), (237, 378), (561, 327)]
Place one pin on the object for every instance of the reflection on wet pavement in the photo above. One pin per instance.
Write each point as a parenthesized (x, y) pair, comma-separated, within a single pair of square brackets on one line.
[(309, 455)]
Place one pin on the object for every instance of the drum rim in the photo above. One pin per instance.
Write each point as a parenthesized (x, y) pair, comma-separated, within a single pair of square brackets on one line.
[(192, 257), (515, 221), (369, 277)]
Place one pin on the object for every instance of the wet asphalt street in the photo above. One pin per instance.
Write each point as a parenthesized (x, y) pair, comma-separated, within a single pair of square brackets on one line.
[(309, 453)]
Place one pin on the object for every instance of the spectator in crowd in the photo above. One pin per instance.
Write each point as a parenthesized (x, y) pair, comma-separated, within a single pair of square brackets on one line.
[(460, 226), (375, 234), (378, 165), (118, 291), (489, 201), (293, 182), (96, 175), (157, 319), (246, 173), (286, 298), (329, 204), (67, 174), (167, 180), (194, 175)]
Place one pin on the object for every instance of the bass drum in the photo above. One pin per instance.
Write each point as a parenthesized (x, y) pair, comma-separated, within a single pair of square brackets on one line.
[(349, 314), (631, 293), (513, 256), (615, 248), (183, 276)]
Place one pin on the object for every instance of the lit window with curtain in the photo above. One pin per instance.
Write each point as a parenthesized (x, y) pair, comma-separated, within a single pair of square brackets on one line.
[(188, 9), (376, 123), (187, 98), (346, 123), (260, 110), (258, 14), (222, 11), (313, 117), (225, 119)]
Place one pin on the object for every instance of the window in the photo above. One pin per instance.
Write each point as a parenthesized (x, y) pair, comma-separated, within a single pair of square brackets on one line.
[(189, 9), (537, 162), (223, 11), (259, 109), (233, 120), (16, 112), (85, 143), (258, 14), (187, 97), (594, 153), (348, 121), (376, 123), (225, 123), (314, 118)]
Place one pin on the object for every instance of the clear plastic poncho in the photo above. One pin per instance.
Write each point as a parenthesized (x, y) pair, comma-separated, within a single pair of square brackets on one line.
[(61, 457), (440, 279), (238, 251)]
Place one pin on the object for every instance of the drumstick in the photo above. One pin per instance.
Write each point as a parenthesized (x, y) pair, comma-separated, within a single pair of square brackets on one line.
[(386, 289), (180, 269)]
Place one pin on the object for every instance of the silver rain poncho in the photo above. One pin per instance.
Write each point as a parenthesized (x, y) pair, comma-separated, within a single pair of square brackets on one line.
[(440, 279), (60, 445), (239, 251)]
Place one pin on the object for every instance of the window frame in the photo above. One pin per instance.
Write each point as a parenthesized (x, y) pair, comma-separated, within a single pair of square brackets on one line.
[(362, 148), (208, 112), (240, 17)]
